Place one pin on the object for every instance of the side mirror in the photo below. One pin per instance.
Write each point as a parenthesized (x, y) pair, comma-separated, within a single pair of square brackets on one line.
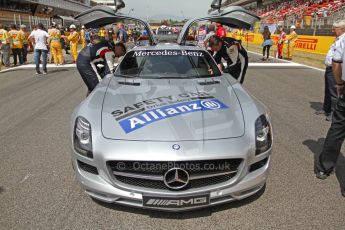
[(216, 4), (119, 4)]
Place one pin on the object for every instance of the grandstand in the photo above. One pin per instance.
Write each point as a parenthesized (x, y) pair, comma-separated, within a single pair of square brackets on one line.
[(311, 17), (299, 8)]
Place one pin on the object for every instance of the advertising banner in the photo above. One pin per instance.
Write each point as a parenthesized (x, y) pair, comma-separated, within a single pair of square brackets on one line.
[(310, 44)]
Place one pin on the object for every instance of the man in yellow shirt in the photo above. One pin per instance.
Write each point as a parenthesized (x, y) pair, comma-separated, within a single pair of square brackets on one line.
[(102, 33), (5, 45), (55, 44), (291, 40), (26, 34), (73, 38), (16, 44), (82, 37)]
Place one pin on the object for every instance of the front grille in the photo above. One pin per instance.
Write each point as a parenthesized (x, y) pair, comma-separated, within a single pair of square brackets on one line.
[(87, 168), (201, 173)]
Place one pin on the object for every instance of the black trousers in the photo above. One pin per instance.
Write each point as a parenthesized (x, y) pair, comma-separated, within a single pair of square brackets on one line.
[(25, 52), (268, 47), (17, 53), (327, 159), (331, 97), (86, 71)]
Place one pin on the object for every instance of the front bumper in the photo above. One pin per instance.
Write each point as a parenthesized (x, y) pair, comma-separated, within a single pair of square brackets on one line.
[(99, 188)]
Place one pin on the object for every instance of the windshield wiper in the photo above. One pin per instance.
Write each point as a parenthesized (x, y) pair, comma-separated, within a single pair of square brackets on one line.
[(182, 77), (207, 76), (125, 76)]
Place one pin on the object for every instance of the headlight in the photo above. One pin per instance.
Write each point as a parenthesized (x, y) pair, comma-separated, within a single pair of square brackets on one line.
[(263, 135), (82, 137)]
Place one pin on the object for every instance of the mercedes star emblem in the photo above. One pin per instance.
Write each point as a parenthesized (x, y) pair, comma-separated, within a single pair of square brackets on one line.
[(176, 147), (176, 178)]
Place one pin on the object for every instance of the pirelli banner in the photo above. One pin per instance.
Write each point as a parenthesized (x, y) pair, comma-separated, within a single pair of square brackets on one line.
[(310, 44)]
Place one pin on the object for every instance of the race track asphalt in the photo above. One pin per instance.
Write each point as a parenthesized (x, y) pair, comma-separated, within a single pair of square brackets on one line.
[(38, 188)]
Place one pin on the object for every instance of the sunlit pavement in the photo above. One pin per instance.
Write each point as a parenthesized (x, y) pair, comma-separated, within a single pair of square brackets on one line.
[(38, 189)]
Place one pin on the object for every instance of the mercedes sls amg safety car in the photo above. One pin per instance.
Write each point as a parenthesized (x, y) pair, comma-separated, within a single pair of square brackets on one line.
[(168, 130)]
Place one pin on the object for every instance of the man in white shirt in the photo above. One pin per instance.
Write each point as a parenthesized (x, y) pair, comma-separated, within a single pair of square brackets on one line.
[(327, 159), (331, 96), (39, 39)]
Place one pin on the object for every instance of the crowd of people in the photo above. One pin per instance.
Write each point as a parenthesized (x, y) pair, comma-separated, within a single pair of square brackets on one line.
[(284, 40), (298, 8), (17, 42)]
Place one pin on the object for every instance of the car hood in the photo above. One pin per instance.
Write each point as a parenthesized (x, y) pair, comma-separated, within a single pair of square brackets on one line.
[(171, 110)]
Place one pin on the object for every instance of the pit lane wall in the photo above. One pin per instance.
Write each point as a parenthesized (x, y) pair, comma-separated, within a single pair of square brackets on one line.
[(308, 44)]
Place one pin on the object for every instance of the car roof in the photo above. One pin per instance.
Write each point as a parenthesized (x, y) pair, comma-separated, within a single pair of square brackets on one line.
[(169, 46)]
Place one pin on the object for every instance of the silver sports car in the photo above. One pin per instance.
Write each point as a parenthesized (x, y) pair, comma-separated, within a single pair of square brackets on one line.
[(168, 130)]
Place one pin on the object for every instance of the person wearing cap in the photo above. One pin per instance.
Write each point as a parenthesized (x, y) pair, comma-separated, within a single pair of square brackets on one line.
[(55, 44), (327, 159), (99, 52), (82, 37), (280, 43), (5, 45), (16, 44), (39, 39), (330, 96), (291, 40), (73, 39), (26, 34)]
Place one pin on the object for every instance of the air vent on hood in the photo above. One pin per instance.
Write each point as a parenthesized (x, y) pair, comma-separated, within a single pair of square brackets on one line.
[(129, 83), (208, 82)]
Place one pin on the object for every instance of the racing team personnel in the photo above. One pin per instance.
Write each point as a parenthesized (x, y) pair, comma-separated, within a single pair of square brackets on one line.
[(327, 159), (98, 52), (55, 44), (17, 38), (73, 39), (280, 44), (5, 45), (233, 53), (82, 37)]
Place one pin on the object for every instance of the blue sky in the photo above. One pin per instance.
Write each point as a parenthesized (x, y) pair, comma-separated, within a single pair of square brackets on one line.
[(160, 8)]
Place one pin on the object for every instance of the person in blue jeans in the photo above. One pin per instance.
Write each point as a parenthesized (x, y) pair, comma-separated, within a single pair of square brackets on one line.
[(39, 39), (87, 36), (37, 57)]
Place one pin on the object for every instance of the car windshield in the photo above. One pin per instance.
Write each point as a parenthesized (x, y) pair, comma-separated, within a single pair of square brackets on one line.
[(170, 64)]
